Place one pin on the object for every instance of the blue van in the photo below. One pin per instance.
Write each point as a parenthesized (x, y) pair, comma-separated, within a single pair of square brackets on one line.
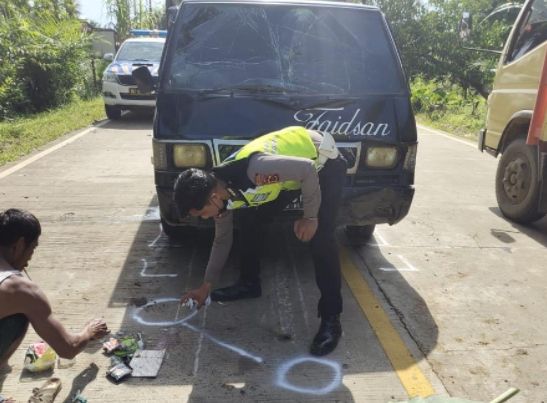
[(234, 70)]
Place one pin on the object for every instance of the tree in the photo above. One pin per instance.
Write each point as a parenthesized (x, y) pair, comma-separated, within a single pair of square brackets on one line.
[(428, 38)]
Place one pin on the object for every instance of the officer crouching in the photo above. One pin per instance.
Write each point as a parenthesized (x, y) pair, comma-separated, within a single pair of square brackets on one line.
[(261, 179)]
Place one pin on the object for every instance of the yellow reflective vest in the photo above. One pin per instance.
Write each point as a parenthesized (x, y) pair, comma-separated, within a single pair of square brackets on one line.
[(292, 141)]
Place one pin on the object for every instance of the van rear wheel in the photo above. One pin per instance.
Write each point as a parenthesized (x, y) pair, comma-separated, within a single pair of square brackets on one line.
[(112, 112), (517, 184), (359, 234)]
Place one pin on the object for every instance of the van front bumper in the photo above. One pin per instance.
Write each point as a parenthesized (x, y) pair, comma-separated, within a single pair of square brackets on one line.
[(385, 205), (359, 206)]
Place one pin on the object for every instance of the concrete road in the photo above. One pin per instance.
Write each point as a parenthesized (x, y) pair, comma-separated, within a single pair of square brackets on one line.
[(447, 302)]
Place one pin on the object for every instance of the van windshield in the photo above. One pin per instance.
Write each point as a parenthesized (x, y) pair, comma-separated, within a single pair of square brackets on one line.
[(311, 50)]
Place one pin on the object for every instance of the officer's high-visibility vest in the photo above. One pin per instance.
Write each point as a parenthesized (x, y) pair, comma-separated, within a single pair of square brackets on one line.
[(293, 142)]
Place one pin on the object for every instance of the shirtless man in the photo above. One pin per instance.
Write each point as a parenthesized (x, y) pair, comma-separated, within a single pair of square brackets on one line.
[(21, 300)]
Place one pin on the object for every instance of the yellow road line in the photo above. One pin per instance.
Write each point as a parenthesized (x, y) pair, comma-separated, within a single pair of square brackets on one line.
[(410, 375)]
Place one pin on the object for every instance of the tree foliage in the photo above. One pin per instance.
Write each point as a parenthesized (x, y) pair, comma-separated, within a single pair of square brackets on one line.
[(134, 14), (42, 54), (430, 44)]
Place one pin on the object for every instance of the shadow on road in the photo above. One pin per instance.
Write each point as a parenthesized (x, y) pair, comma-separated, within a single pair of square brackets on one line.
[(250, 349), (536, 230), (401, 297)]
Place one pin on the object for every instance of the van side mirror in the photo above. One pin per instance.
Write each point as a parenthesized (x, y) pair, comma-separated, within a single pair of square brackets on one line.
[(171, 15), (108, 57), (465, 25), (143, 78)]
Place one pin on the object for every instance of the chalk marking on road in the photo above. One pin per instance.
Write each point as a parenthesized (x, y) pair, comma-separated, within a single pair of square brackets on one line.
[(467, 143), (230, 347), (183, 321), (165, 323), (153, 243), (401, 269), (298, 286), (145, 274), (191, 265), (200, 343), (285, 368), (47, 151), (378, 236), (410, 375), (284, 310)]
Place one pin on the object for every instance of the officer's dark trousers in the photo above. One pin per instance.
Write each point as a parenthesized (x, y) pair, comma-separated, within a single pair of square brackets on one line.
[(323, 245)]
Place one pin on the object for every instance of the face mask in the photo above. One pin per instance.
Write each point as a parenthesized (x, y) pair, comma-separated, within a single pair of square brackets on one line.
[(221, 209)]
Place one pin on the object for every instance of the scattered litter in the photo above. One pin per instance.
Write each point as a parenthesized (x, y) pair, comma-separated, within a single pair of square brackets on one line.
[(139, 301), (147, 363), (39, 357), (284, 337), (118, 372), (111, 345), (78, 398), (47, 392), (63, 363), (124, 347)]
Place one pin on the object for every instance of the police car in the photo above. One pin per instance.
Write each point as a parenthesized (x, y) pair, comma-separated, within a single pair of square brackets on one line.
[(119, 89)]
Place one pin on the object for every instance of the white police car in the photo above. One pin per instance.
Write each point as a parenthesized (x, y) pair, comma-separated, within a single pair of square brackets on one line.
[(119, 89)]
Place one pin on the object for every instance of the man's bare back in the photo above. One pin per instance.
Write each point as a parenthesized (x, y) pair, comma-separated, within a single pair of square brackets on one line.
[(23, 302)]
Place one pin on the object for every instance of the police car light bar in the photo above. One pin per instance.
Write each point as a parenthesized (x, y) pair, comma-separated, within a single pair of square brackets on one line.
[(154, 33)]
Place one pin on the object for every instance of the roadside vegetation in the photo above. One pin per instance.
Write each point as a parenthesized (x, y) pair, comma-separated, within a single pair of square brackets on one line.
[(50, 79), (21, 136), (445, 106), (449, 60)]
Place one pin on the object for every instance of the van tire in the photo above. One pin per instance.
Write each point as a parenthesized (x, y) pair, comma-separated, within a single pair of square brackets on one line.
[(359, 234), (517, 184), (178, 232), (112, 112)]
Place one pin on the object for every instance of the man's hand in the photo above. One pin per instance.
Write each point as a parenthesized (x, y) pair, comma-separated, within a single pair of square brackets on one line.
[(305, 228), (199, 295), (95, 329)]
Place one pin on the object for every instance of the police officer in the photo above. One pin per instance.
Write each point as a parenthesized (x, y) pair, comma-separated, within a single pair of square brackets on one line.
[(261, 179)]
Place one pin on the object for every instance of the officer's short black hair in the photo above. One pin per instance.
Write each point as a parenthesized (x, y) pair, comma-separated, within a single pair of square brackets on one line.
[(192, 190), (16, 223)]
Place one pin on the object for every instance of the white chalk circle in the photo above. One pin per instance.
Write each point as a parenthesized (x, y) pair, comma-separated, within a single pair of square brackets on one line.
[(137, 314), (286, 367)]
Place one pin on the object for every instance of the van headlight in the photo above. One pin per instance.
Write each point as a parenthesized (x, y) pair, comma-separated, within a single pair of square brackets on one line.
[(190, 155), (381, 157)]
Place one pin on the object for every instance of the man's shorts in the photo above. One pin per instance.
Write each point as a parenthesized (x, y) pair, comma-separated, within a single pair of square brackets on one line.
[(11, 328)]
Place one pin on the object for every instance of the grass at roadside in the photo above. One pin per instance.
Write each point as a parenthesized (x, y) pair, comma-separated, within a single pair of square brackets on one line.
[(462, 125), (21, 136), (443, 105)]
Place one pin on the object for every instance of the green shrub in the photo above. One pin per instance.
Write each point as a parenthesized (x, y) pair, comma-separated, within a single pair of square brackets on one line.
[(448, 106), (44, 61)]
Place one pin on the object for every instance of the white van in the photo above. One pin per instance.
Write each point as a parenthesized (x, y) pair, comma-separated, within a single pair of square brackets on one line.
[(119, 89)]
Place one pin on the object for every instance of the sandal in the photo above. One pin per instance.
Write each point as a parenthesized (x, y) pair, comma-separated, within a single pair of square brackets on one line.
[(47, 392)]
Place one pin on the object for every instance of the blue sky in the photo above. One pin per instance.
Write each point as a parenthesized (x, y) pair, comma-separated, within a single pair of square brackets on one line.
[(95, 10)]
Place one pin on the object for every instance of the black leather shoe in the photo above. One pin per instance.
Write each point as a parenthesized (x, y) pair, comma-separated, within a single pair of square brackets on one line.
[(326, 339), (239, 290)]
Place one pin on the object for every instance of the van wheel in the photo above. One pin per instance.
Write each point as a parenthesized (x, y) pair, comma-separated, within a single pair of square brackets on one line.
[(359, 234), (517, 184), (178, 232), (112, 112)]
